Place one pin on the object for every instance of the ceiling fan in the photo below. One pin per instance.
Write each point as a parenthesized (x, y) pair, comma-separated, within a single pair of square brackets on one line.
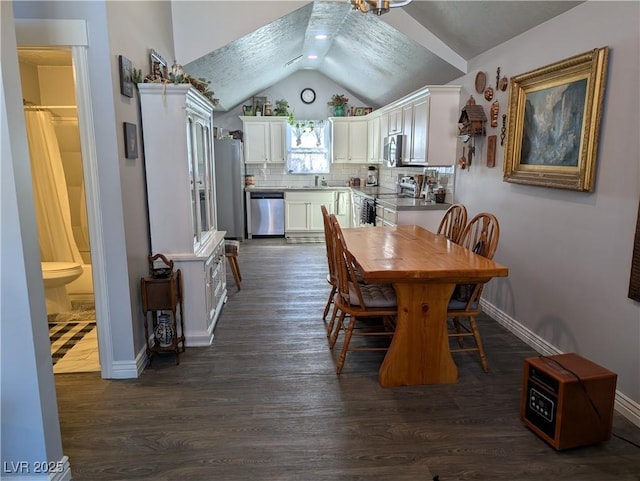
[(377, 6)]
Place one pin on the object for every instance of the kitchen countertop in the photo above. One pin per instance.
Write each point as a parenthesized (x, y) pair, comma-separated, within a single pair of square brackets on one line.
[(383, 196), (386, 198), (290, 188)]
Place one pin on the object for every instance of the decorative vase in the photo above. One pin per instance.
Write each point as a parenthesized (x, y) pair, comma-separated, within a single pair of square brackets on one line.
[(338, 110), (164, 332)]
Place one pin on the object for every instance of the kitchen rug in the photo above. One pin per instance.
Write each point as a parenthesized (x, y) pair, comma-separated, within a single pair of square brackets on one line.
[(305, 240)]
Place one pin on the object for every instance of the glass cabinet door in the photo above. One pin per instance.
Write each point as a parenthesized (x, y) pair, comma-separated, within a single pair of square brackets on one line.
[(210, 186), (202, 180), (192, 178), (201, 177)]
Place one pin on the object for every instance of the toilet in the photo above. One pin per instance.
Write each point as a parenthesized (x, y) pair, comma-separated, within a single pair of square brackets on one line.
[(56, 276)]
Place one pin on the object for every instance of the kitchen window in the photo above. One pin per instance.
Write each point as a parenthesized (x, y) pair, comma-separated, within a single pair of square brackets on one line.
[(308, 147)]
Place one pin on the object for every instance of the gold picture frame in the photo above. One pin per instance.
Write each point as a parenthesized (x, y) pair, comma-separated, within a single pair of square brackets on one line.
[(554, 121)]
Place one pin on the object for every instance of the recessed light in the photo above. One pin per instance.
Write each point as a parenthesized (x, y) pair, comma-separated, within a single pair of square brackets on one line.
[(321, 36), (312, 57)]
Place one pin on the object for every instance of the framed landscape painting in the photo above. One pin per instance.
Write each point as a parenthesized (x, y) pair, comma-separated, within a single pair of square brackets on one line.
[(554, 122)]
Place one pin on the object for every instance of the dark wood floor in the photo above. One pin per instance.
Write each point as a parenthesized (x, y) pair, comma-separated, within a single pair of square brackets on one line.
[(264, 403)]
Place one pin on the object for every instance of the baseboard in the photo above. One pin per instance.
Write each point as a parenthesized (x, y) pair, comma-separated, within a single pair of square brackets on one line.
[(142, 359), (624, 405), (27, 471), (124, 369)]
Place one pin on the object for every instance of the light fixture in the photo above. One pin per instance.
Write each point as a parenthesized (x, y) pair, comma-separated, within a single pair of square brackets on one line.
[(377, 6)]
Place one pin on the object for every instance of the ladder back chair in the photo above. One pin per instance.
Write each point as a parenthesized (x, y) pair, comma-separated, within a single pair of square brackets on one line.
[(331, 276), (480, 236), (453, 222), (355, 301)]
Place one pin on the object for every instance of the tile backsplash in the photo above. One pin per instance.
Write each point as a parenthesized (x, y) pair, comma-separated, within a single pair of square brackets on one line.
[(274, 175)]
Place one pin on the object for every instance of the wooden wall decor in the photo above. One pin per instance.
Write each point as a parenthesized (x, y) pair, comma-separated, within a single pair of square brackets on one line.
[(634, 282), (491, 150)]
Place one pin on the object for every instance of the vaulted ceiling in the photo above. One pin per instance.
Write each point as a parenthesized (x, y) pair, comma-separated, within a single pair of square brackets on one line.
[(377, 58)]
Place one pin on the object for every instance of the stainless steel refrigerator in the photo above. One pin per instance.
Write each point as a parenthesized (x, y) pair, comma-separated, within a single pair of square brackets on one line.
[(230, 186)]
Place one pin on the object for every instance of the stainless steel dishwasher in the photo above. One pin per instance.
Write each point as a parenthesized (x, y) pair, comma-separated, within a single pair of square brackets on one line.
[(267, 213)]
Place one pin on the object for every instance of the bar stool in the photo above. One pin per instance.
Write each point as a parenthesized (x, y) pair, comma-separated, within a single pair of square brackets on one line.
[(231, 249)]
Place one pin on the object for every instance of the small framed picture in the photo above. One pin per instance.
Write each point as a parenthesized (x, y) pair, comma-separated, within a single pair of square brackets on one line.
[(258, 104), (368, 110), (126, 84), (130, 140), (359, 111), (159, 67)]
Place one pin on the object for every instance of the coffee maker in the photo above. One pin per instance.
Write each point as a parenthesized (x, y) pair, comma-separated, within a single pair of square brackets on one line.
[(372, 176)]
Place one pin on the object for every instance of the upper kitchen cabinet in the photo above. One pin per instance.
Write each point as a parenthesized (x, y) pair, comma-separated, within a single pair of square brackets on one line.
[(430, 125), (436, 125), (374, 149), (264, 139), (349, 140), (395, 121)]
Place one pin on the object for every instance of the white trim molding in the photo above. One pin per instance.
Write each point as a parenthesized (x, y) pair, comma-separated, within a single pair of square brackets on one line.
[(624, 405)]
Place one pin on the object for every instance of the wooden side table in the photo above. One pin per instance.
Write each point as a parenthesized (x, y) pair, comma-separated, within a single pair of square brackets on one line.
[(163, 294)]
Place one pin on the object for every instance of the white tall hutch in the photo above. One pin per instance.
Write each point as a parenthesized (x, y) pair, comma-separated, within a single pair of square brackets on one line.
[(177, 126)]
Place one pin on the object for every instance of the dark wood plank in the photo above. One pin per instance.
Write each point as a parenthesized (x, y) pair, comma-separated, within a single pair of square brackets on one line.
[(264, 403)]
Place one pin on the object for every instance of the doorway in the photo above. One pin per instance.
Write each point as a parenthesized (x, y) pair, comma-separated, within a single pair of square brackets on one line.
[(51, 117), (71, 35)]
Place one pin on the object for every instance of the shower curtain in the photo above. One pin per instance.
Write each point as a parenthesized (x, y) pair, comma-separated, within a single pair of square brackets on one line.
[(51, 200)]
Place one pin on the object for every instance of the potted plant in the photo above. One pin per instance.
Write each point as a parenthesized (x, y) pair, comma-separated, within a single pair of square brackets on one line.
[(339, 103), (282, 108)]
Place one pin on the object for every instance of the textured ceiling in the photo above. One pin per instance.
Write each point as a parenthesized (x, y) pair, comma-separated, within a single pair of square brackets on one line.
[(365, 54)]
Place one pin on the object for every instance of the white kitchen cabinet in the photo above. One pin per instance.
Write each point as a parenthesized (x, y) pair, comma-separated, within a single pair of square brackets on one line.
[(384, 131), (342, 207), (407, 130), (177, 123), (356, 209), (435, 126), (264, 139), (442, 124), (373, 137), (349, 141), (302, 211), (420, 127), (386, 216), (395, 121)]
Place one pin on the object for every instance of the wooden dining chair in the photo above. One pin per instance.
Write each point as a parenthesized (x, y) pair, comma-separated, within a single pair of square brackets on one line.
[(481, 236), (355, 301), (453, 222), (331, 276)]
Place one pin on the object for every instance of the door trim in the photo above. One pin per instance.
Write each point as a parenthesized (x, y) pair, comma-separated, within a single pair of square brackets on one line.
[(73, 33)]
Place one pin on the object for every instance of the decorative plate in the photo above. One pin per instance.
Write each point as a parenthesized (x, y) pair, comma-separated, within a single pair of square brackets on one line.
[(503, 83), (481, 82)]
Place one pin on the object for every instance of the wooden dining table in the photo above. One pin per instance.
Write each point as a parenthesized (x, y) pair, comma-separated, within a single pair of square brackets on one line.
[(424, 268)]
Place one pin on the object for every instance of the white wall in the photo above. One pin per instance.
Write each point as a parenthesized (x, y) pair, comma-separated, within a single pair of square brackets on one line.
[(569, 253), (102, 78), (135, 28), (289, 89), (29, 426)]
